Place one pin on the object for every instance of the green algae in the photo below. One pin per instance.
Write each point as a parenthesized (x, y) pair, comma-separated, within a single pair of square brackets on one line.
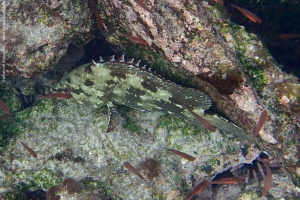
[(210, 165), (27, 181), (90, 184), (129, 119), (44, 18), (9, 129), (254, 68), (174, 123)]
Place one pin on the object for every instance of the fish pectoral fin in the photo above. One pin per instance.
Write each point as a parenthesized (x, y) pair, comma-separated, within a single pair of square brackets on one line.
[(114, 118)]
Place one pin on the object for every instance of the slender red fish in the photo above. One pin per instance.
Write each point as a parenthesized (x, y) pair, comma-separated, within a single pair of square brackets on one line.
[(133, 170), (260, 123), (287, 36), (4, 107), (136, 40), (204, 122), (181, 154), (198, 189), (100, 22), (267, 181), (93, 4), (6, 110), (254, 174), (221, 2), (29, 150), (56, 95), (141, 3), (251, 16), (228, 180)]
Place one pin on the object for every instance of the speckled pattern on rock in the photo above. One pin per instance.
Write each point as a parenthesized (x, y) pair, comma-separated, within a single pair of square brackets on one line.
[(224, 60), (54, 128), (36, 35)]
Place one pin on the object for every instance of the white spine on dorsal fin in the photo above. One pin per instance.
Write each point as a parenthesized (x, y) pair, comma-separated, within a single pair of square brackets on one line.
[(121, 59), (137, 64), (101, 60), (130, 61), (94, 62), (144, 67), (112, 58)]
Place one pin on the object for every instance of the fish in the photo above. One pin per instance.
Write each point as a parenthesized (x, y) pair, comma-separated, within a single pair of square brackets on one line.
[(260, 169), (287, 36), (198, 189), (136, 40), (260, 123), (100, 22), (93, 7), (204, 122), (133, 170), (254, 175), (120, 82), (141, 3), (267, 181), (181, 154), (228, 180), (221, 2), (56, 95), (251, 16), (29, 150), (4, 107)]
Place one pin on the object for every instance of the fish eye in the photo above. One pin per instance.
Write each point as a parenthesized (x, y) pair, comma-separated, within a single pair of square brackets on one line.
[(67, 89)]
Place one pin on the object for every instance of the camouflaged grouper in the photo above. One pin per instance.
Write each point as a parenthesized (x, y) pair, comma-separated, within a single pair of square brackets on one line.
[(125, 83)]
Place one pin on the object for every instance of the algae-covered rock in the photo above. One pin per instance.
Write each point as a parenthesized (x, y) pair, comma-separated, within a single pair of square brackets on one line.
[(197, 40), (192, 42), (36, 35), (71, 142)]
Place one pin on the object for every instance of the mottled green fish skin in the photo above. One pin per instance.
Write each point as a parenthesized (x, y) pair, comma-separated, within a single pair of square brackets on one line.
[(123, 84), (113, 83)]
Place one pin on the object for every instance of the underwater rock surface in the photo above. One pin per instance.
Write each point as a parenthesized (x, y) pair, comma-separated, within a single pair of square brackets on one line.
[(71, 142), (37, 33), (197, 39), (193, 40)]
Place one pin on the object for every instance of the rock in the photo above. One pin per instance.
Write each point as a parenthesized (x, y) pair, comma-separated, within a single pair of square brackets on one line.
[(36, 35)]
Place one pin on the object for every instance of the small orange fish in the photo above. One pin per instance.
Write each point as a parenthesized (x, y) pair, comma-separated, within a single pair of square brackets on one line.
[(56, 95), (94, 10), (251, 16), (287, 36), (100, 22), (267, 181), (133, 170), (260, 123), (29, 150), (228, 180), (4, 107), (136, 40), (204, 122), (198, 189), (181, 154), (254, 174), (6, 110), (221, 2), (141, 3), (260, 169)]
